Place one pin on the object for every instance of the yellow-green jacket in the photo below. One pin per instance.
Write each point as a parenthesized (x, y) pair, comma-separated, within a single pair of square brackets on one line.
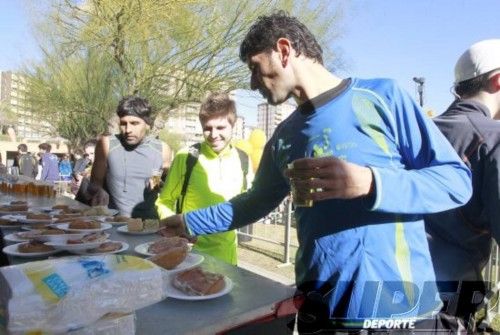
[(215, 178)]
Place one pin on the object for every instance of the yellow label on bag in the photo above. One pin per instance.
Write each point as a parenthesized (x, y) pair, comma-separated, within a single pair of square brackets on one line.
[(130, 263), (47, 283)]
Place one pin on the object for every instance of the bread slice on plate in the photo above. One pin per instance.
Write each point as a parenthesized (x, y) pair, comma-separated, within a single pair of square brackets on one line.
[(197, 281)]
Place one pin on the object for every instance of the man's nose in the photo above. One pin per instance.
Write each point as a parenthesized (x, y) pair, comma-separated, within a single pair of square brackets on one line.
[(214, 134)]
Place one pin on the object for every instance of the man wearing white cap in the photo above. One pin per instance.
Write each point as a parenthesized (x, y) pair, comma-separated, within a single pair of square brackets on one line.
[(460, 239)]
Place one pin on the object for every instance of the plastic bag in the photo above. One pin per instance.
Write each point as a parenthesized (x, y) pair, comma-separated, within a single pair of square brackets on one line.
[(59, 295), (111, 324)]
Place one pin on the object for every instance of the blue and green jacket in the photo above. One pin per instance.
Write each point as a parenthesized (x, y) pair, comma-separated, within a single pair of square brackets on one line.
[(366, 257)]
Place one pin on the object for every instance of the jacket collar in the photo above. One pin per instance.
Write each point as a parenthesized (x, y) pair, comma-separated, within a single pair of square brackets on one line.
[(210, 153), (468, 106)]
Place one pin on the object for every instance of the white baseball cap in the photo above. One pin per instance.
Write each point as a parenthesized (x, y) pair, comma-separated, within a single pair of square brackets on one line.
[(482, 57)]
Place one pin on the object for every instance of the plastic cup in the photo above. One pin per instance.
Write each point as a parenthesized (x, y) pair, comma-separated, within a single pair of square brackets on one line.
[(297, 199), (155, 179)]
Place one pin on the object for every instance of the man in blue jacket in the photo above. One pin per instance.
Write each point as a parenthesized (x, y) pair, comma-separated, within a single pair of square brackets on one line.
[(50, 163), (460, 239), (371, 162)]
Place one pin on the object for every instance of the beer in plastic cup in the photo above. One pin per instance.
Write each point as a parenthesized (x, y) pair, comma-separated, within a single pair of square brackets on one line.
[(297, 200), (155, 179)]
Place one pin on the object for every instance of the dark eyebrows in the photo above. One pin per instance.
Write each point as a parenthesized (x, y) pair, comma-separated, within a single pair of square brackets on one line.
[(134, 122)]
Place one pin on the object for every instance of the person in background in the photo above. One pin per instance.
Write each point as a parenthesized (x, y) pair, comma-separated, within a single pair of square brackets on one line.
[(3, 168), (28, 165), (3, 257), (82, 170), (368, 164), (216, 174), (50, 163), (80, 160), (14, 168), (460, 240), (65, 168), (124, 163), (39, 162), (4, 261)]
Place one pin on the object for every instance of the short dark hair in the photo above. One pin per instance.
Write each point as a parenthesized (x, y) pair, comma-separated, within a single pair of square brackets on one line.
[(78, 151), (218, 104), (45, 146), (135, 106), (265, 32), (23, 147), (473, 86), (89, 143)]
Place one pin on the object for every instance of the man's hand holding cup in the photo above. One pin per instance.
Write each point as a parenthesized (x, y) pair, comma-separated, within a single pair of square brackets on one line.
[(316, 179)]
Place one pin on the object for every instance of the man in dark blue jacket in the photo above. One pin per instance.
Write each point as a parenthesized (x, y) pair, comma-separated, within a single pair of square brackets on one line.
[(460, 240)]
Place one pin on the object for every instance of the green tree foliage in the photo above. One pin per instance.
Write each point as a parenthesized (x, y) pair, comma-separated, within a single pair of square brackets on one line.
[(170, 52), (76, 95), (7, 117)]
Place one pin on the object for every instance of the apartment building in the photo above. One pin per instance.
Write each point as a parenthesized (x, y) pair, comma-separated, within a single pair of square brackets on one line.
[(12, 97), (269, 116)]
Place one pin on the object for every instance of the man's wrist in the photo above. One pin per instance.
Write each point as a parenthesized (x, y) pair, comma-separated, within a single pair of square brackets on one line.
[(367, 185), (183, 218)]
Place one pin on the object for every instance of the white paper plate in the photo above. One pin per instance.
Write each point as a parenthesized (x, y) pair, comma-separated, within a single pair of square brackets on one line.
[(65, 226), (16, 225), (12, 250), (76, 246), (115, 222), (192, 260), (15, 238), (71, 215), (28, 221), (12, 217), (45, 210), (124, 229), (99, 218), (80, 217), (172, 292), (61, 238), (12, 212), (34, 226), (109, 212), (142, 249), (87, 253)]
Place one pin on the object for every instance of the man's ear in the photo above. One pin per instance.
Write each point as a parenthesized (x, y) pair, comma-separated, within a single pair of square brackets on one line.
[(494, 82), (284, 47)]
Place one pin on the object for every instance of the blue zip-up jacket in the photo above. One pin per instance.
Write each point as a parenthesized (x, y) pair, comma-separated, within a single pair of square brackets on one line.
[(366, 257), (50, 167)]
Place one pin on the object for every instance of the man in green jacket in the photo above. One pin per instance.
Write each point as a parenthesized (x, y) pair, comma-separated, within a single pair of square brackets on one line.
[(218, 174)]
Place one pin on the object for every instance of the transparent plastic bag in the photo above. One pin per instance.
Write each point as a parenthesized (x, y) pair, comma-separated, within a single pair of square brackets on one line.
[(59, 295)]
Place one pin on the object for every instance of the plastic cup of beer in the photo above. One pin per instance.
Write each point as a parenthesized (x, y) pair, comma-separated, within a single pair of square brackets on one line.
[(297, 199), (155, 179)]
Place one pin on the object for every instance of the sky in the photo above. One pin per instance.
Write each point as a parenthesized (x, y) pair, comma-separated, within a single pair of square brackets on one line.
[(399, 39)]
